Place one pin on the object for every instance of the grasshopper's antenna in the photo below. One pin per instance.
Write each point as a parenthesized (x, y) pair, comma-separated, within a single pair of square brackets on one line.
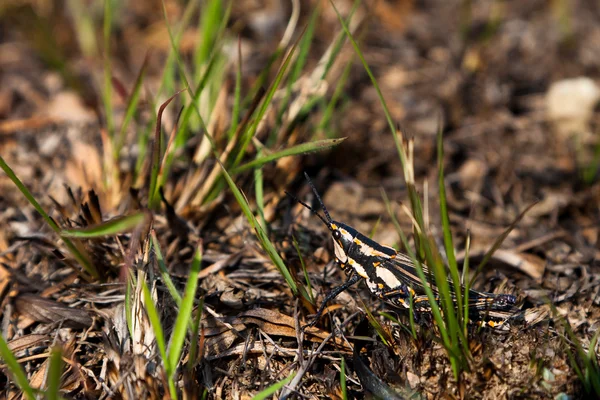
[(314, 189), (310, 208)]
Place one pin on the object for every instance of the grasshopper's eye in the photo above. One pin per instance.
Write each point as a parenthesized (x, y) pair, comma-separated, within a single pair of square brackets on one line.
[(337, 234)]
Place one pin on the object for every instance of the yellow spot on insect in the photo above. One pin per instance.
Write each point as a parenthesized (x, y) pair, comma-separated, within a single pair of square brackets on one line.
[(334, 226), (393, 256), (412, 292), (377, 264), (381, 285), (350, 261), (492, 324), (358, 242)]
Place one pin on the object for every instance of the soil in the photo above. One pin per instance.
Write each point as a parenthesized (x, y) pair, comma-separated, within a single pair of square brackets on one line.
[(480, 71)]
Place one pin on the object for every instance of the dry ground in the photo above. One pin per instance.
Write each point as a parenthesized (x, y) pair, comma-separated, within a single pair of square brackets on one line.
[(486, 74)]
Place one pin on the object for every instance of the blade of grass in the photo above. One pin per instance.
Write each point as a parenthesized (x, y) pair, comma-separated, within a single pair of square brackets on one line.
[(339, 90), (435, 310), (237, 96), (343, 379), (181, 135), (498, 242), (74, 246), (210, 20), (339, 41), (128, 304), (260, 233), (167, 83), (154, 318), (15, 369), (108, 228), (85, 32), (381, 332), (448, 244), (131, 108), (185, 312), (467, 282), (194, 334), (54, 374), (265, 394), (153, 198), (397, 322), (375, 227), (249, 133), (107, 93), (299, 64), (589, 372), (259, 195), (455, 320), (306, 278), (164, 273), (303, 148), (388, 115)]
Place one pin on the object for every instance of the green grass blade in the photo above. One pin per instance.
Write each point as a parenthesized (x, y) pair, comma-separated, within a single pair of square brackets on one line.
[(260, 233), (128, 304), (168, 78), (339, 41), (448, 244), (131, 109), (154, 318), (265, 394), (306, 278), (498, 242), (303, 148), (418, 267), (154, 200), (15, 369), (175, 48), (74, 247), (164, 273), (467, 283), (211, 17), (337, 93), (194, 335), (192, 109), (259, 195), (108, 228), (381, 332), (185, 312), (343, 379), (107, 93), (237, 96), (54, 374), (304, 48), (375, 227), (249, 133), (397, 322), (388, 115)]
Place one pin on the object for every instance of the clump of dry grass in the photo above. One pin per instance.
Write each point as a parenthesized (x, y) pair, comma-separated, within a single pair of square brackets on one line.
[(171, 263)]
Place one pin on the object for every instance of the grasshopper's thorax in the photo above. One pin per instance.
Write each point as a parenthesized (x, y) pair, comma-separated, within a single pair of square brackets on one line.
[(355, 249)]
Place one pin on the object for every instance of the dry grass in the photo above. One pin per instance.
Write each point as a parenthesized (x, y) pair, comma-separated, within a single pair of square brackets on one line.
[(200, 271)]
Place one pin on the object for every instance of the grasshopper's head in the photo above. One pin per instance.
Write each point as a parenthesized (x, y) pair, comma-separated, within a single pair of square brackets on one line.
[(343, 238)]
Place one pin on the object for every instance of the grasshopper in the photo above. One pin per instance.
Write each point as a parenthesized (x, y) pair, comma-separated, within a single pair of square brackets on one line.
[(392, 276)]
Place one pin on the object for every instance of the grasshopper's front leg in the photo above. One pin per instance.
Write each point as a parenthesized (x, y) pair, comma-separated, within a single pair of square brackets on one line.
[(353, 279)]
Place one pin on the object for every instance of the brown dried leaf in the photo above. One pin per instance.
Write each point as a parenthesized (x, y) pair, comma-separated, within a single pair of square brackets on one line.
[(275, 323), (50, 311), (529, 264), (27, 342)]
